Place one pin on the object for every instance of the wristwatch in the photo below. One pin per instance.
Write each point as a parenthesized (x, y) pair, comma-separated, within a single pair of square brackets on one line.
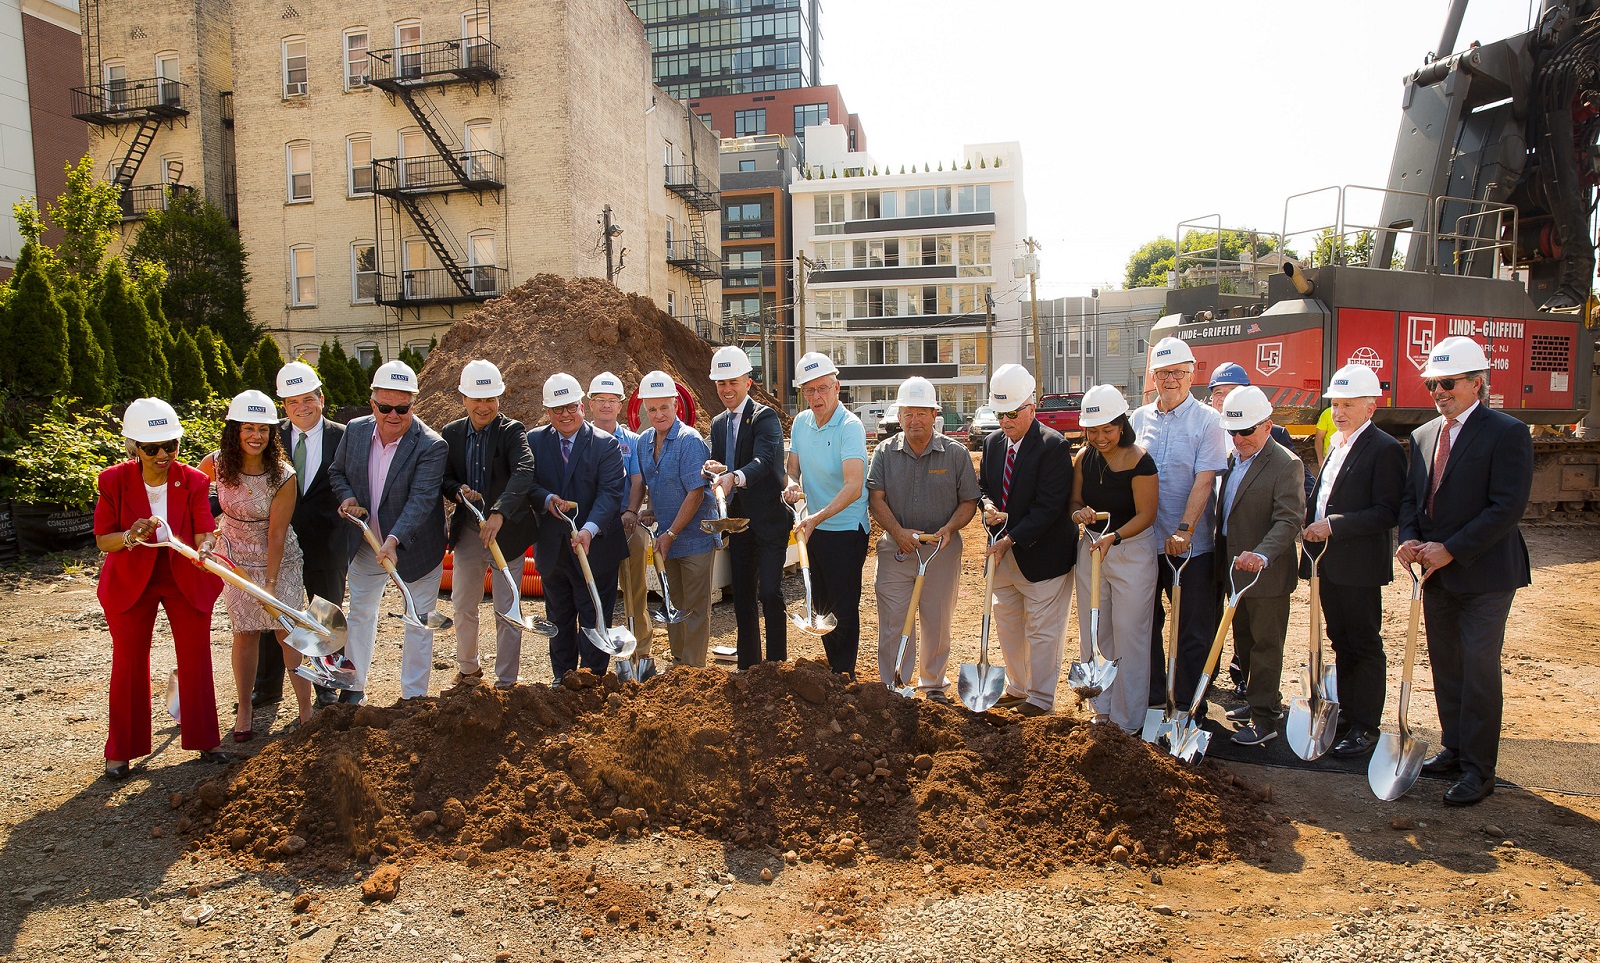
[(1116, 538), (1185, 527)]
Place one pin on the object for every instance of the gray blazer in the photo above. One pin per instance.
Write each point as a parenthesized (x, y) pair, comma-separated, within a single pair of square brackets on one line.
[(1268, 512), (413, 504)]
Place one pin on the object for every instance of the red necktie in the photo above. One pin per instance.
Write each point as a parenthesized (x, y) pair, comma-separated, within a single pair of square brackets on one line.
[(1441, 454), (1005, 484)]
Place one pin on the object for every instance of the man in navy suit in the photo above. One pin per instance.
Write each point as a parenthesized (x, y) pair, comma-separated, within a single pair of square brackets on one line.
[(390, 468), (1471, 473), (576, 468), (312, 441), (1352, 513), (752, 478)]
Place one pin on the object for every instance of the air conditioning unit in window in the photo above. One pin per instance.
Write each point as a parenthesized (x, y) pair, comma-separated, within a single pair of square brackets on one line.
[(295, 90)]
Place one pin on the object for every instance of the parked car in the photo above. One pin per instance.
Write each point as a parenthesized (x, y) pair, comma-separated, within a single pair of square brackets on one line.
[(889, 423), (1061, 412), (869, 413), (983, 422)]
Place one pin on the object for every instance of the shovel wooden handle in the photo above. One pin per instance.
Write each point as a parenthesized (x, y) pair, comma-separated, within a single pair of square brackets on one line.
[(498, 556), (911, 612), (988, 607), (1094, 563)]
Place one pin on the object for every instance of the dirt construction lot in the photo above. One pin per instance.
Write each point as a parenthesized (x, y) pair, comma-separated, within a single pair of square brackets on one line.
[(775, 815)]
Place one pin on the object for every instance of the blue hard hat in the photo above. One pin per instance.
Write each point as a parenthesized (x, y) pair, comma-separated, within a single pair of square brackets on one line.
[(1229, 373)]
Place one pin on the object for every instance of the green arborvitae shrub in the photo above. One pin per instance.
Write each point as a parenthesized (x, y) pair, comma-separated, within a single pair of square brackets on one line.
[(338, 385), (86, 359), (271, 360), (128, 323), (360, 378), (250, 375), (38, 335), (189, 383)]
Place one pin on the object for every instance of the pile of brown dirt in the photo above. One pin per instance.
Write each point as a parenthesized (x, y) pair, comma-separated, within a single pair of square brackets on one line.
[(582, 326), (786, 755)]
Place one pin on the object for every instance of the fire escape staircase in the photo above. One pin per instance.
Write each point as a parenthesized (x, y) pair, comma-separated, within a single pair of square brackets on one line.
[(150, 103), (695, 257)]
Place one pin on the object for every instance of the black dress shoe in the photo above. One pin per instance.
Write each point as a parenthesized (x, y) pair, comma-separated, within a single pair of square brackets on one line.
[(118, 772), (1471, 789), (1357, 742), (1445, 762)]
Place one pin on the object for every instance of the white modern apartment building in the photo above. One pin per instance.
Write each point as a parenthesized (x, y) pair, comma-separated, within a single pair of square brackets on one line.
[(900, 265)]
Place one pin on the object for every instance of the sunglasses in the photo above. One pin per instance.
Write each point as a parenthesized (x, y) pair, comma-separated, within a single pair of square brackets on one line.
[(564, 409), (1008, 415), (155, 448), (386, 409), (1448, 384), (1243, 432)]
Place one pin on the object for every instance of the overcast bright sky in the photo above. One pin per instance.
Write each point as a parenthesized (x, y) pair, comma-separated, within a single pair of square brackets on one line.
[(1135, 116)]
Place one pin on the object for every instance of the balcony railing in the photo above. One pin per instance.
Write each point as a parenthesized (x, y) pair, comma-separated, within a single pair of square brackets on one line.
[(695, 258), (139, 201), (690, 183), (471, 59), (436, 286), (747, 230), (130, 101), (433, 174), (741, 277)]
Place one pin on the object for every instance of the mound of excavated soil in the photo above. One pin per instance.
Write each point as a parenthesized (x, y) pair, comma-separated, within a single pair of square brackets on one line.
[(582, 326), (785, 755)]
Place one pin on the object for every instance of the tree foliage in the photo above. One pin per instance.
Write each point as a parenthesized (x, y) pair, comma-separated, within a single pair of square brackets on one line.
[(128, 323), (1149, 264), (271, 360), (86, 357), (206, 275), (89, 212), (222, 373), (338, 384), (189, 383), (38, 335)]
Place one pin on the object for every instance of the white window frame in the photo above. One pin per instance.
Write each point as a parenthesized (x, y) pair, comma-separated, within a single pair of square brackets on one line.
[(356, 273), (366, 352), (292, 171), (408, 65), (168, 96), (116, 88), (291, 87), (357, 79), (302, 283), (352, 189), (483, 281), (474, 24)]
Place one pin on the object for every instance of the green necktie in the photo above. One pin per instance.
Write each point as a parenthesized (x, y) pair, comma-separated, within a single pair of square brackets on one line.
[(300, 460)]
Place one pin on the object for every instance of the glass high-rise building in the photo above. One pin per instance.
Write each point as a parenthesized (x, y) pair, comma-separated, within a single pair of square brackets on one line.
[(707, 48)]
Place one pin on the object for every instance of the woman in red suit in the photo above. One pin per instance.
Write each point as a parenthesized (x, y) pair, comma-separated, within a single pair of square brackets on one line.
[(136, 497)]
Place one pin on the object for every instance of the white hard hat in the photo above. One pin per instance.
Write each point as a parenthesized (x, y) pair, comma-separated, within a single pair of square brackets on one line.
[(917, 393), (657, 384), (1245, 407), (1454, 356), (561, 389), (1354, 381), (1101, 405), (1170, 351), (395, 376), (606, 383), (149, 420), (813, 365), (481, 379), (730, 361), (252, 408), (297, 378), (1010, 388)]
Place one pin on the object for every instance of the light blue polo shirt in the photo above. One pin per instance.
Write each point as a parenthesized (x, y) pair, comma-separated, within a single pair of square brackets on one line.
[(629, 442), (822, 453)]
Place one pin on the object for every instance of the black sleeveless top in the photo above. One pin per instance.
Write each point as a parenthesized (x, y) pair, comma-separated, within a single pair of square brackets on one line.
[(1106, 490)]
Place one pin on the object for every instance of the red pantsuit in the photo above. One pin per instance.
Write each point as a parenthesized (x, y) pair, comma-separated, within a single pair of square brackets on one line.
[(133, 583)]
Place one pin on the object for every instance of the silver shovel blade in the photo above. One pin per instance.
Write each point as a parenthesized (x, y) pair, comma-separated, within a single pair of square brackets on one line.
[(1188, 740), (667, 616), (980, 687), (330, 617), (1330, 683), (1310, 726), (1396, 764), (617, 643), (811, 623), (305, 641), (329, 671), (1091, 679), (636, 670), (1157, 726)]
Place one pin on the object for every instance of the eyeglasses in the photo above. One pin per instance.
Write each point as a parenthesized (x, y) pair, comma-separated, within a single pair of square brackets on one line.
[(1169, 374), (1448, 384), (386, 409), (1243, 432), (156, 448), (564, 409), (1008, 415)]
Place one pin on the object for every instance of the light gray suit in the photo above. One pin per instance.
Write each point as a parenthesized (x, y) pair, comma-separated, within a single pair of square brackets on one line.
[(412, 511)]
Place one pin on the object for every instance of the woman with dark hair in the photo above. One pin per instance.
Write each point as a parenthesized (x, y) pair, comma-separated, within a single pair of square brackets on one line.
[(145, 499), (254, 487), (1116, 476)]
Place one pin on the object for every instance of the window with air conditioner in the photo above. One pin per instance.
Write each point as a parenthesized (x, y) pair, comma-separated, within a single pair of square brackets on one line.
[(357, 65), (296, 70)]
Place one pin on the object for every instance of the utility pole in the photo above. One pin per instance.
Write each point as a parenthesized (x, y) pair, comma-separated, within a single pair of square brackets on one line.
[(988, 334), (1033, 296), (1083, 343), (605, 228), (801, 265)]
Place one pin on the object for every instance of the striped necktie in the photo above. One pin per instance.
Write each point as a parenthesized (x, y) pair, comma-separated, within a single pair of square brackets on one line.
[(1005, 484)]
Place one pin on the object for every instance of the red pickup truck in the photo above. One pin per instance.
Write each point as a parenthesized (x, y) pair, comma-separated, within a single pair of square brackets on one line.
[(1061, 412)]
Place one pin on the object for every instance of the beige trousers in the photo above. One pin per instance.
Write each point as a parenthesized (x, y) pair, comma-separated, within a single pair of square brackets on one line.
[(634, 592), (691, 594), (928, 648), (1127, 584), (1030, 621), (466, 595)]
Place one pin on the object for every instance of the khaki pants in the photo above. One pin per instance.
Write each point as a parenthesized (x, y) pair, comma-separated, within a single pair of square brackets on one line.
[(634, 591), (1127, 583), (466, 594), (691, 594), (928, 648), (1030, 619)]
